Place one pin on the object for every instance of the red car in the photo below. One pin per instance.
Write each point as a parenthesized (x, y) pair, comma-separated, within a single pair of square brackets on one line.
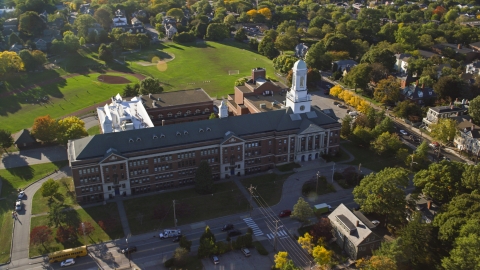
[(285, 213)]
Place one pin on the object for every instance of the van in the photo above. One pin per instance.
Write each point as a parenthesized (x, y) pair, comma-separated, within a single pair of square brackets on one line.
[(170, 233), (322, 208)]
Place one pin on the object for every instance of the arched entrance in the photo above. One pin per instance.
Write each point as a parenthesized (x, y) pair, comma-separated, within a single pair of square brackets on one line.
[(303, 157), (316, 155), (309, 157)]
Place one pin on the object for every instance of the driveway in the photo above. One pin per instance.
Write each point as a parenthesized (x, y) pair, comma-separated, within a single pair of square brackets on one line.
[(33, 156)]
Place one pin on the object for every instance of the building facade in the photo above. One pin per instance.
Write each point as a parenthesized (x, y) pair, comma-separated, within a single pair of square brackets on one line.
[(435, 113), (152, 159)]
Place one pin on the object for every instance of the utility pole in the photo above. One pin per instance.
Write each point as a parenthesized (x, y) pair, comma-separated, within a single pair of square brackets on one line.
[(333, 171), (174, 215), (318, 176), (128, 251), (358, 174), (250, 189), (276, 235)]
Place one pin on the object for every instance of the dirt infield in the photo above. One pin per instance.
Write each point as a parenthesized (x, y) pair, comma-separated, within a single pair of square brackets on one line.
[(113, 79)]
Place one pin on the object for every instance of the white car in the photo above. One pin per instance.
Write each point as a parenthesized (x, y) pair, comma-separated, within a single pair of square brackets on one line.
[(21, 194), (246, 252), (403, 132), (18, 205), (67, 262)]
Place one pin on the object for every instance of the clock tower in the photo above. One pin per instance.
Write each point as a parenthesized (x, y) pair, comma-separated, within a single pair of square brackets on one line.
[(298, 98)]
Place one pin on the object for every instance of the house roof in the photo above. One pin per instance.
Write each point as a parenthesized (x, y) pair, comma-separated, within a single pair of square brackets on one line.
[(427, 54), (345, 220), (446, 109), (421, 205), (403, 56), (415, 92), (279, 120), (346, 62), (176, 98), (462, 50), (469, 128), (23, 136)]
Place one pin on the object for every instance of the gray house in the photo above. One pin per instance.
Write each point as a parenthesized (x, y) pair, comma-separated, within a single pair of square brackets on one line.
[(353, 232)]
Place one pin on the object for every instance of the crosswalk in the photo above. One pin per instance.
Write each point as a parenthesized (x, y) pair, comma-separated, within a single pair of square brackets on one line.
[(281, 234), (256, 230)]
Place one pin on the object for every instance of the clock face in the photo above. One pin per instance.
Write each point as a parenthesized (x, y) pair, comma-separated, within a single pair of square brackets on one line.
[(302, 108)]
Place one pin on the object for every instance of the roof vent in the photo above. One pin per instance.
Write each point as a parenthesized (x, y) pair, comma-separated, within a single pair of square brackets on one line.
[(209, 129), (130, 140), (138, 139), (185, 132), (263, 106), (155, 136), (162, 136), (178, 133), (201, 130)]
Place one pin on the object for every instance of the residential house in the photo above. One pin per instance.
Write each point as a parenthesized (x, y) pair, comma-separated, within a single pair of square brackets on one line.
[(435, 113), (468, 137), (418, 94), (16, 48), (467, 53), (401, 64), (41, 44), (301, 50), (170, 30), (24, 139), (475, 46), (342, 65), (353, 232), (86, 9), (473, 68), (425, 206), (136, 22), (169, 20), (119, 20), (6, 10), (140, 13), (427, 54)]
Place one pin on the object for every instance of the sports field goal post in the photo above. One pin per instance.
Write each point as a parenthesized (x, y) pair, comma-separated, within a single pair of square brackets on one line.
[(233, 72)]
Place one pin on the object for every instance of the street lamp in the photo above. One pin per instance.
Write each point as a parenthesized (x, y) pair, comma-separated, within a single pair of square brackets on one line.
[(128, 255), (411, 163), (333, 171), (318, 176)]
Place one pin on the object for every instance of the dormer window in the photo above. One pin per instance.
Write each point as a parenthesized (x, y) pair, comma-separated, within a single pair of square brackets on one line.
[(188, 112), (155, 136), (185, 132), (179, 113), (201, 130), (160, 116), (197, 111), (209, 129), (178, 133), (130, 140), (162, 136), (207, 110), (139, 140), (169, 114)]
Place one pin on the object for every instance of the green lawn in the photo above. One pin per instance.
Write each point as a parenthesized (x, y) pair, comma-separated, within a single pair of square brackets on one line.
[(94, 130), (65, 97), (155, 212), (339, 158), (12, 179), (193, 65), (108, 214), (370, 159), (268, 186), (67, 197)]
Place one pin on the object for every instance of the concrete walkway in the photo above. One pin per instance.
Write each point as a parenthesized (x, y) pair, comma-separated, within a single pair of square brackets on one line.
[(33, 156), (123, 216)]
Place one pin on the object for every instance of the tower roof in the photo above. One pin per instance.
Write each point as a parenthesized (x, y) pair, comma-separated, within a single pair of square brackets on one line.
[(300, 64)]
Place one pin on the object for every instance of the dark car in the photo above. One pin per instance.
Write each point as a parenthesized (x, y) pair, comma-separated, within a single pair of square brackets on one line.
[(227, 227), (129, 250), (285, 213), (177, 239), (234, 233)]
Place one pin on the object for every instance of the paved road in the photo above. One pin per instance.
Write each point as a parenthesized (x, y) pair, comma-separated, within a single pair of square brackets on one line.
[(33, 156)]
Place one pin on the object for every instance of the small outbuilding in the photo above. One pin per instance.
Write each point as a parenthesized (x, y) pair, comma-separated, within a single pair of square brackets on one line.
[(24, 139)]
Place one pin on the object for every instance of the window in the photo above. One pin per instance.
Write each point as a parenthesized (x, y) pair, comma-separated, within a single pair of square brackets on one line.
[(80, 172), (169, 114), (207, 110), (139, 140), (201, 130), (188, 112), (130, 140), (209, 129), (160, 116), (179, 113), (155, 136)]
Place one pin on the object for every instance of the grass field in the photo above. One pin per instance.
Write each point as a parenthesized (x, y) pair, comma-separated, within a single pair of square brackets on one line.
[(369, 159), (155, 212), (105, 213), (12, 179), (268, 186), (67, 197), (94, 130), (193, 65), (65, 97)]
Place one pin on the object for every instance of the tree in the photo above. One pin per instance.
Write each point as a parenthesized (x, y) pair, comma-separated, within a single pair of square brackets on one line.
[(284, 63), (346, 129), (27, 59), (267, 48), (131, 90), (217, 31), (230, 20), (441, 180), (381, 56), (177, 13), (444, 130), (184, 243), (212, 116), (6, 139), (280, 259), (387, 90), (203, 179), (65, 234), (306, 242), (386, 143), (408, 110), (471, 179), (40, 235), (376, 263), (385, 126), (449, 88), (45, 129), (30, 24), (265, 12), (286, 42), (464, 255), (150, 86), (10, 62), (82, 23), (85, 228), (70, 41), (81, 41), (14, 39), (50, 188), (103, 17), (316, 57), (302, 211), (56, 215), (207, 243), (321, 255), (378, 72), (57, 46), (407, 37), (358, 77), (105, 53), (415, 242), (240, 35), (322, 230), (382, 193), (474, 109), (70, 128), (362, 135)]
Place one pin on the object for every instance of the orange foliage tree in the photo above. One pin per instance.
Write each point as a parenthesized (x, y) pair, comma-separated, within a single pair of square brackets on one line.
[(45, 128)]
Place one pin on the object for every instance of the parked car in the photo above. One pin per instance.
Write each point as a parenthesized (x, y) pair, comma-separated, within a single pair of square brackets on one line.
[(215, 259), (234, 233), (227, 227), (434, 145), (246, 252), (129, 250), (446, 158), (67, 262), (403, 132), (21, 194), (285, 213), (18, 205)]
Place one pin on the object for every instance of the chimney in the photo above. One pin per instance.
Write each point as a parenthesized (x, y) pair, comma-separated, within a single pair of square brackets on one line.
[(459, 46), (163, 123), (429, 204), (258, 73), (423, 85), (473, 127), (470, 120), (416, 83), (358, 223), (451, 107)]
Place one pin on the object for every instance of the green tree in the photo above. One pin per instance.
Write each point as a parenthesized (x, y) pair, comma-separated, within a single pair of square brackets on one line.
[(444, 130), (474, 109), (415, 239), (384, 57), (180, 257), (212, 116), (284, 63), (184, 243), (449, 88), (346, 129), (358, 77), (362, 135), (81, 41), (230, 20), (408, 110), (385, 126), (82, 23), (407, 37), (267, 48), (203, 179), (464, 255), (317, 57), (30, 24), (302, 211), (131, 90), (6, 139), (471, 179), (387, 90), (177, 13), (217, 31), (14, 39), (50, 188), (207, 243), (72, 43), (27, 60), (70, 128), (103, 17), (286, 42), (56, 215), (57, 46), (382, 193), (105, 53), (240, 35), (386, 143), (150, 86)]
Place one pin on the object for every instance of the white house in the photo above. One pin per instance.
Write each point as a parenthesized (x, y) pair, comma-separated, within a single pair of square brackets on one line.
[(401, 63), (473, 68)]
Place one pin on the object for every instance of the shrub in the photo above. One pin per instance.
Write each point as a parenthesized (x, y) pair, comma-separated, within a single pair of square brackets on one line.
[(337, 176), (223, 247), (260, 248), (168, 263)]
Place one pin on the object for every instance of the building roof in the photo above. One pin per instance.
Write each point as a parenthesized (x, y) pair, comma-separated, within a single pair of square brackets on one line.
[(300, 64), (23, 136), (469, 128), (426, 54), (461, 50), (345, 62), (265, 103), (415, 92), (345, 220), (403, 56), (446, 109), (190, 132), (175, 98)]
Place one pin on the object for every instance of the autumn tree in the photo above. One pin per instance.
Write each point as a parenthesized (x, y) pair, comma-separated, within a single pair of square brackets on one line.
[(322, 230), (10, 62), (265, 12), (49, 188), (302, 211), (376, 263), (321, 255), (280, 259), (40, 235), (70, 128), (65, 234), (387, 90), (444, 130), (383, 193), (6, 139), (85, 228), (306, 242)]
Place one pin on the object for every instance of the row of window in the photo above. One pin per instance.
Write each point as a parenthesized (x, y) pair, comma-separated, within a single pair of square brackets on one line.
[(140, 180), (92, 188), (164, 167), (187, 172), (254, 144), (186, 163), (210, 151), (138, 162), (253, 169), (186, 155), (253, 161), (163, 176), (88, 170), (162, 158), (179, 113), (89, 179), (139, 171)]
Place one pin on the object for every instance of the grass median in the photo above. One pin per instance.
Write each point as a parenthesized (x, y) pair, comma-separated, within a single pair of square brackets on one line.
[(66, 196), (155, 212), (268, 186)]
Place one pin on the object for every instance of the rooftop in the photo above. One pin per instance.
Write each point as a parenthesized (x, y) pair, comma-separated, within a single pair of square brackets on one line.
[(175, 98), (345, 220), (446, 109), (267, 102)]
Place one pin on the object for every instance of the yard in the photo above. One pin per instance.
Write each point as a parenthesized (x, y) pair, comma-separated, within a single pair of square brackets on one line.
[(268, 186), (12, 179), (104, 215), (94, 130), (369, 159), (155, 212), (66, 197)]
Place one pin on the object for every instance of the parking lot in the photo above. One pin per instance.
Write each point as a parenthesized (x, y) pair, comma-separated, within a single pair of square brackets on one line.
[(326, 102), (236, 260)]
